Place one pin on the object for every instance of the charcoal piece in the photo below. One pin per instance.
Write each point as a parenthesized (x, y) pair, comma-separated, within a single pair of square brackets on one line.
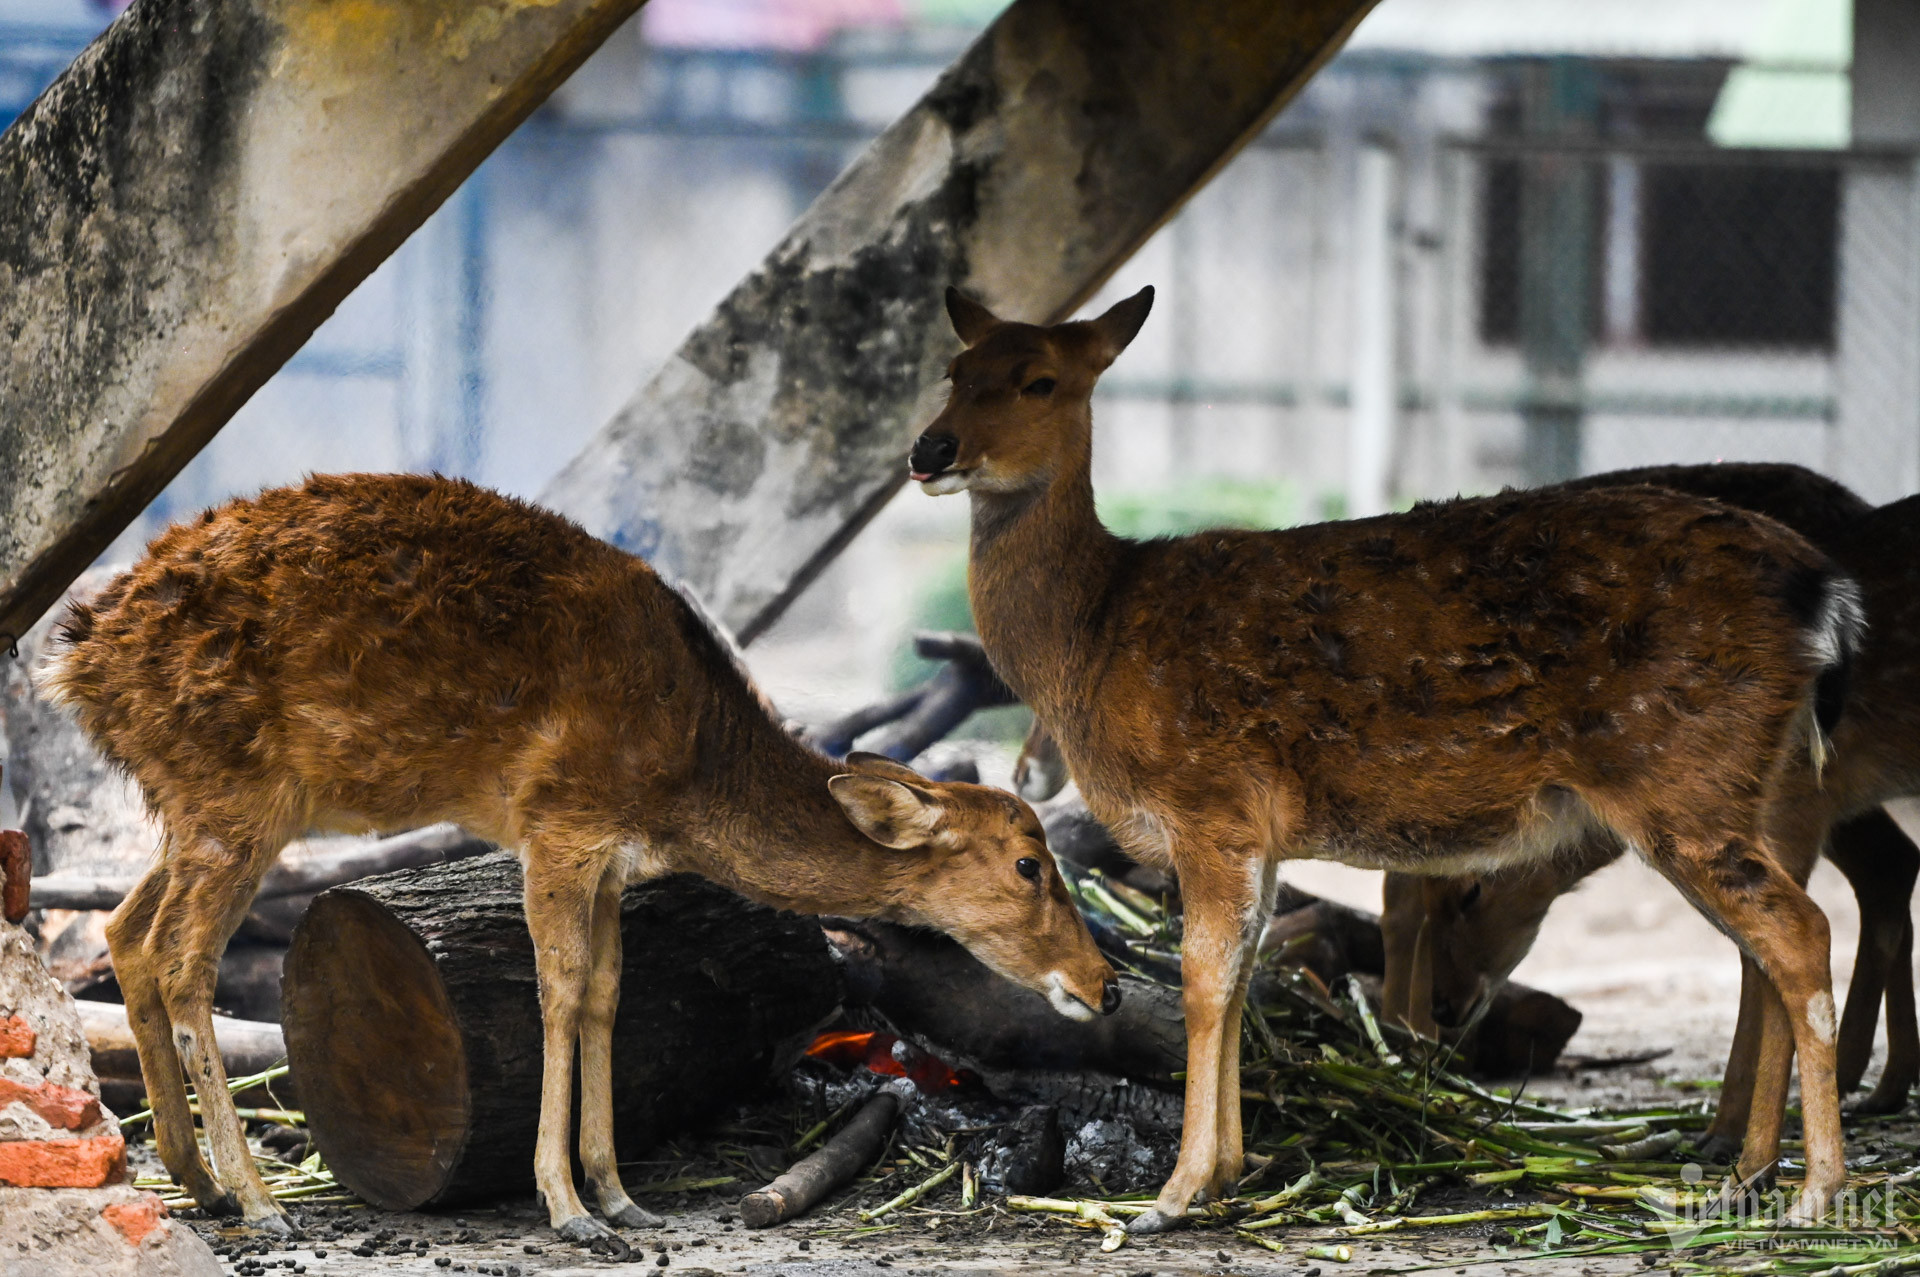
[(1027, 1156)]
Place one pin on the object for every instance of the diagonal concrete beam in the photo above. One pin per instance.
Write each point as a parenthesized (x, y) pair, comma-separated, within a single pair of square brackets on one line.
[(1037, 164), (193, 197)]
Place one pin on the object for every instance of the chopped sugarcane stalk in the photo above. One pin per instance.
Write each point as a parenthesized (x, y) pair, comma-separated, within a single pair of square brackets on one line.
[(913, 1194)]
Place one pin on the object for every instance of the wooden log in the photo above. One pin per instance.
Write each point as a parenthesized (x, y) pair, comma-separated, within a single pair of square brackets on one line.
[(918, 718), (1039, 162), (192, 197), (16, 883), (808, 1181), (413, 1022), (433, 845), (933, 990), (246, 1046)]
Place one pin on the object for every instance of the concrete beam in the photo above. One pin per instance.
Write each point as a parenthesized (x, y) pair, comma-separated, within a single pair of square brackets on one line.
[(1037, 164), (193, 197)]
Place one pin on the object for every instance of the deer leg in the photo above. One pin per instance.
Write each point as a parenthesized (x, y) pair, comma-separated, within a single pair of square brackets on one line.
[(208, 890), (1880, 863), (1721, 1142), (1230, 1162), (1772, 1076), (1406, 995), (127, 935), (1902, 1068), (1752, 898), (1214, 950), (596, 1063), (560, 893)]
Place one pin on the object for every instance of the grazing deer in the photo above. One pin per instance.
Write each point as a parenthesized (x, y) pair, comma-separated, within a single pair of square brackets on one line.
[(1472, 683), (370, 651), (1449, 940)]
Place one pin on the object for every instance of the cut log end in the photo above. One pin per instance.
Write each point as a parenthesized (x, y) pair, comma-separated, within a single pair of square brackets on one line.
[(382, 1063)]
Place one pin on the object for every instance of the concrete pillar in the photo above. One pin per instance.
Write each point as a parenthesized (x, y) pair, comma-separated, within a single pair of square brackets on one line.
[(1875, 441), (187, 203), (1040, 161)]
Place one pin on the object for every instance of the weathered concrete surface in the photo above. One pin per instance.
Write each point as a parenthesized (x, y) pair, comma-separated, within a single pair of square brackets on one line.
[(96, 1232), (1037, 164), (188, 202)]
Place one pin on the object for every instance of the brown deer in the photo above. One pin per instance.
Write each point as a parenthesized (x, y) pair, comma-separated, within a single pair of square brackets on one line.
[(1449, 940), (370, 651), (1472, 683)]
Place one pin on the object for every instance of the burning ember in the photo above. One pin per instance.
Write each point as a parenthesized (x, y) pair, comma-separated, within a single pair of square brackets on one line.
[(889, 1056)]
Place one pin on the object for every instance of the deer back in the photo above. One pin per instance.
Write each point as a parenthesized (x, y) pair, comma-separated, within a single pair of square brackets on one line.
[(382, 649), (1410, 684)]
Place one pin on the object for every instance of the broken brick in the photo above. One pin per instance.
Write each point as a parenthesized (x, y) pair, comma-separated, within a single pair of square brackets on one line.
[(17, 1038), (58, 1105), (136, 1219), (87, 1163)]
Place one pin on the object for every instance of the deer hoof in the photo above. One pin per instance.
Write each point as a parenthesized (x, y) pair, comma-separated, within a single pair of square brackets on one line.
[(1718, 1148), (277, 1223), (596, 1236), (1877, 1105), (632, 1216), (219, 1205), (1151, 1221)]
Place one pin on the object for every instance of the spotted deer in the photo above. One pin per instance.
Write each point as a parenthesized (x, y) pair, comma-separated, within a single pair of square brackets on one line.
[(1471, 683), (1450, 939), (378, 652)]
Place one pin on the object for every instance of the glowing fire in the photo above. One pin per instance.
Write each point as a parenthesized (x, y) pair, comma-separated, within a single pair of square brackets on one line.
[(885, 1054)]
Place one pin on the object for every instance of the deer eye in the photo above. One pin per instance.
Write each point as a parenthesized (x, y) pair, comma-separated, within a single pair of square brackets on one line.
[(1029, 868), (1471, 898), (1039, 386)]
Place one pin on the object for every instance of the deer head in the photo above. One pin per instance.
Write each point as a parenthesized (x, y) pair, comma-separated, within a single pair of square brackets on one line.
[(1477, 929), (981, 872), (1018, 408)]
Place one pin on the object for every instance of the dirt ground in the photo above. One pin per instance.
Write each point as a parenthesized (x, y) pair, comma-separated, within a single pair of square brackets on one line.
[(1647, 972)]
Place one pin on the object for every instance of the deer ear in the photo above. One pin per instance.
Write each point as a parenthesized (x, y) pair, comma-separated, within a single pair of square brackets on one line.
[(970, 319), (891, 813), (880, 765), (1119, 326)]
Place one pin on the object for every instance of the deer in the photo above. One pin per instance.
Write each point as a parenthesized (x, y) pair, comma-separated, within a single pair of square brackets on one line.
[(1450, 940), (1471, 683), (385, 651)]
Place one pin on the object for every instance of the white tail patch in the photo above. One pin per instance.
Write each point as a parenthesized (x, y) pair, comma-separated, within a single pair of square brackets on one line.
[(1839, 625), (1832, 640)]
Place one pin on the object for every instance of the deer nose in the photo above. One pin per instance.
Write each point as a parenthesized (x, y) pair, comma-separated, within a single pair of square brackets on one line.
[(1110, 1000), (931, 454)]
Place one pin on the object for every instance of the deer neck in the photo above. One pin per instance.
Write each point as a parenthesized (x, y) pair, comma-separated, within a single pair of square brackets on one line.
[(1040, 567), (783, 840)]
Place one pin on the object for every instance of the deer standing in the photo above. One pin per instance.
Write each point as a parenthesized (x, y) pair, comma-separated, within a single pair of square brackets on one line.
[(382, 652), (1449, 940), (1471, 683)]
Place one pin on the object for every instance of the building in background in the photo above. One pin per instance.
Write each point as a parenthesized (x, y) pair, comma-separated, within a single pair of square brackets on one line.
[(1494, 242)]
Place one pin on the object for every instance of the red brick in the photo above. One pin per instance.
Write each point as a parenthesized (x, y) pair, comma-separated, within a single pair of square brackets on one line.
[(17, 1038), (137, 1218), (60, 1106), (63, 1163)]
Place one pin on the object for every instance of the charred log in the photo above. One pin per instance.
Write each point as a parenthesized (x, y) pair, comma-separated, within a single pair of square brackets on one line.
[(1030, 1156), (809, 1181), (935, 992), (413, 1022)]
